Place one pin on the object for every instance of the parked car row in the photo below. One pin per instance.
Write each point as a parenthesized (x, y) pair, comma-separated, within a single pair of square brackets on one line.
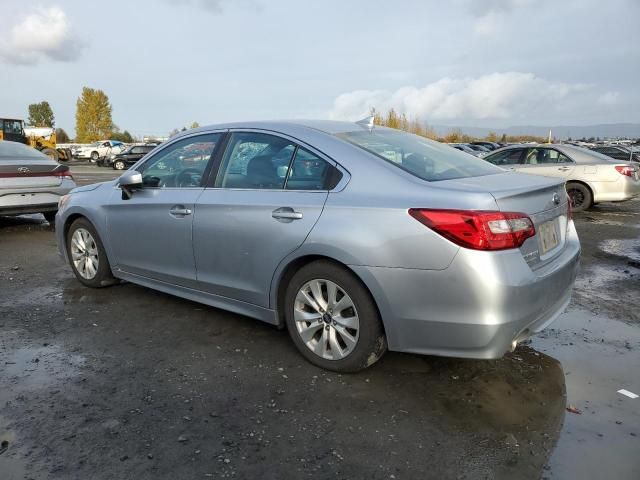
[(286, 222)]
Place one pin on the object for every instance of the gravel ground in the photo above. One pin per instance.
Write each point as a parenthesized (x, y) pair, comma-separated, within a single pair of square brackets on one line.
[(126, 382)]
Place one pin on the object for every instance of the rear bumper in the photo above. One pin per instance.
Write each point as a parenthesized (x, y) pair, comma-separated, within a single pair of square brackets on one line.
[(622, 189), (477, 307), (23, 210)]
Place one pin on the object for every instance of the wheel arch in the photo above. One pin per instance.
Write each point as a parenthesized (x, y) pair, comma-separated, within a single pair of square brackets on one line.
[(286, 272), (585, 184)]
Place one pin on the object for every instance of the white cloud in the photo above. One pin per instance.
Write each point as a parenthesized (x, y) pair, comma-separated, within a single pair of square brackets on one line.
[(494, 96), (609, 99), (491, 13), (212, 6), (44, 33)]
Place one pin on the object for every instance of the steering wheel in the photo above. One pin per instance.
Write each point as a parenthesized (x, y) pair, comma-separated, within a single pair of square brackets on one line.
[(189, 177)]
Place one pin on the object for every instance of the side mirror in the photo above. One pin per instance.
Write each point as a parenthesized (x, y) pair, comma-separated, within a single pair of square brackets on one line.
[(129, 182)]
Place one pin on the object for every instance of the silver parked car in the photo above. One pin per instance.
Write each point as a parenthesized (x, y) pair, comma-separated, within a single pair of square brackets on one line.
[(591, 177), (356, 238), (30, 181)]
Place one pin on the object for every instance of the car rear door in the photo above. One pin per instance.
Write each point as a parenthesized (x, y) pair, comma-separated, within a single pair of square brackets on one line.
[(267, 196), (151, 233), (547, 161)]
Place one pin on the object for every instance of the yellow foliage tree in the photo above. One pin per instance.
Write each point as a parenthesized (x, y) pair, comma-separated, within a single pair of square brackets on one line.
[(93, 116)]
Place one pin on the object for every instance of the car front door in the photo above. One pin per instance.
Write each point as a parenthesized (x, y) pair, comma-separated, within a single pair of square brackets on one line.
[(266, 198), (151, 233)]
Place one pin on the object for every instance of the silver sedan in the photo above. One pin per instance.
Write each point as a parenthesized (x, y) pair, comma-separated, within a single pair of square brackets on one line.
[(591, 177), (356, 238), (31, 182)]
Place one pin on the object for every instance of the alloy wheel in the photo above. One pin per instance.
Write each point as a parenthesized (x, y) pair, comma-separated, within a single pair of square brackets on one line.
[(84, 253), (326, 319)]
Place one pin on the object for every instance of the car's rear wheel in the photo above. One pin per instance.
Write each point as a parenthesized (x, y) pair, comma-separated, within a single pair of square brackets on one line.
[(87, 255), (580, 196), (118, 165), (332, 318), (94, 156)]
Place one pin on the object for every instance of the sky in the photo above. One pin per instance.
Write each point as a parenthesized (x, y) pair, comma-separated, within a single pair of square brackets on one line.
[(167, 63)]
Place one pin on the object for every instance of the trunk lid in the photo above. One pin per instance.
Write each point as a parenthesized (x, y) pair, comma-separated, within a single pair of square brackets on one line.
[(543, 199), (31, 173)]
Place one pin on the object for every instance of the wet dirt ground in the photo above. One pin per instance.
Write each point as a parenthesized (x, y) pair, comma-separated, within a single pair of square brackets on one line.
[(126, 382)]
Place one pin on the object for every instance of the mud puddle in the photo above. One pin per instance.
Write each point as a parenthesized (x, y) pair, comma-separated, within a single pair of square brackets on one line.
[(597, 354)]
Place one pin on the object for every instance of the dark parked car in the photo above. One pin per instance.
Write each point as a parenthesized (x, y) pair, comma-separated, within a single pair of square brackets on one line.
[(618, 152), (487, 145), (130, 156)]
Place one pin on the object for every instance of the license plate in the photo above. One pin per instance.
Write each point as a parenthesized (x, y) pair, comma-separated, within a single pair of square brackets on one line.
[(548, 236)]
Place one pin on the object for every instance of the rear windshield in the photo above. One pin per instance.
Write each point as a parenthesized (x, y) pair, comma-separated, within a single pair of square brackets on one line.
[(424, 158), (11, 150)]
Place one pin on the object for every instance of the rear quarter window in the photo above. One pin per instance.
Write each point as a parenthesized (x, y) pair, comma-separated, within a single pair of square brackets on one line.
[(423, 158)]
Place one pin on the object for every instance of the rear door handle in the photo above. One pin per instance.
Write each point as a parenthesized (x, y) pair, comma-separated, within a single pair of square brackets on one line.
[(180, 211), (564, 169), (286, 214)]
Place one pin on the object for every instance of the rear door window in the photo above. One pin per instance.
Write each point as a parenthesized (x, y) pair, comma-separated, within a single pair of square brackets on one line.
[(309, 172), (255, 161), (512, 156)]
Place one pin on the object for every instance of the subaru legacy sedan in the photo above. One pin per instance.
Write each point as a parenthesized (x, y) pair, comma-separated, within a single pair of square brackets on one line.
[(356, 238)]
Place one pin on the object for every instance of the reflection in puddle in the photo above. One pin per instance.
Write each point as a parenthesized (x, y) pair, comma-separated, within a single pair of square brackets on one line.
[(33, 368), (597, 354)]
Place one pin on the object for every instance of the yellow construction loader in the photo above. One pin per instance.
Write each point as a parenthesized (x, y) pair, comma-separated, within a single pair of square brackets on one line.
[(40, 138)]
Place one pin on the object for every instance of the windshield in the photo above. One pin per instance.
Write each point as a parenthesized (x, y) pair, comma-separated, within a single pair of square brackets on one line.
[(13, 149), (424, 158)]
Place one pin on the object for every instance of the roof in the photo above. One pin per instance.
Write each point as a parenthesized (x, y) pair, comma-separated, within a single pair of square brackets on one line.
[(327, 126)]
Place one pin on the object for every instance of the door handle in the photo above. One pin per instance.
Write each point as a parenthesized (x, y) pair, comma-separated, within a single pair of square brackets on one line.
[(564, 169), (286, 214), (180, 211)]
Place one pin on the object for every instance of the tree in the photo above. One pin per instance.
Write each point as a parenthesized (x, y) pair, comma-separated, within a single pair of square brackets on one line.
[(503, 138), (492, 137), (194, 125), (124, 137), (41, 115), (93, 116), (61, 136)]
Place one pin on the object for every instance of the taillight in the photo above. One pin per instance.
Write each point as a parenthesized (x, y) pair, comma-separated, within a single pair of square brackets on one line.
[(478, 230), (63, 174), (625, 170)]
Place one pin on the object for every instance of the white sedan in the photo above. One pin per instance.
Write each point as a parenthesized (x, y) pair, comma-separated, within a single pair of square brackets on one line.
[(98, 150), (590, 176)]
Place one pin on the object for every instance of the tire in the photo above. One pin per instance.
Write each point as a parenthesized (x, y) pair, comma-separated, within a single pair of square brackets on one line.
[(51, 153), (94, 156), (335, 345), (50, 217), (118, 165), (102, 276), (580, 196)]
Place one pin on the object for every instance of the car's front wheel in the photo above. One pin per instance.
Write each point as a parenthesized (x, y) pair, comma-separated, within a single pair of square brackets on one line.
[(94, 156), (118, 165), (87, 255), (580, 196), (332, 318)]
